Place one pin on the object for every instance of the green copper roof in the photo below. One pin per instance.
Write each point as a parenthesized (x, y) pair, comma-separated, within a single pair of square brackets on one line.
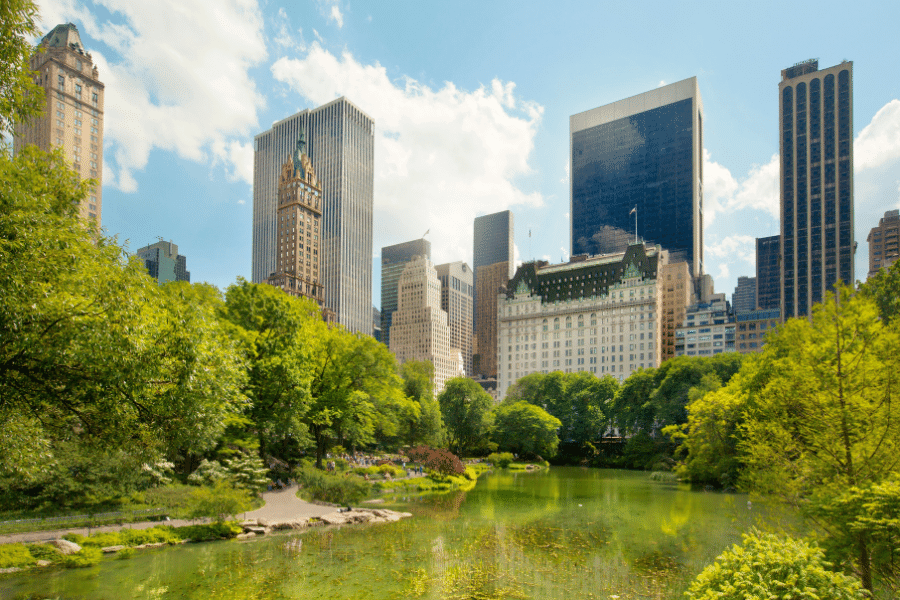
[(587, 279)]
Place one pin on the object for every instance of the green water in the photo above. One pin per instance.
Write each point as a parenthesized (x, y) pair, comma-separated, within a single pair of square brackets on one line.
[(564, 533)]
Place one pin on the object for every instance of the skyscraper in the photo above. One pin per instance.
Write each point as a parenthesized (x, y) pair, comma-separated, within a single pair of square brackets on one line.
[(340, 142), (73, 114), (299, 260), (456, 300), (744, 297), (643, 153), (884, 242), (816, 148), (768, 287), (420, 328), (493, 258), (163, 263), (393, 261)]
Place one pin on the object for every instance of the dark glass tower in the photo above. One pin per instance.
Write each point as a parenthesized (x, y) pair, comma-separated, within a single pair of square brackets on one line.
[(768, 287), (643, 152), (816, 146), (393, 261), (494, 239)]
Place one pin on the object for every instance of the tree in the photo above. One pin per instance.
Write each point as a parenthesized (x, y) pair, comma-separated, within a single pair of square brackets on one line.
[(466, 410), (884, 289), (766, 566), (825, 418), (427, 428), (525, 429), (20, 97)]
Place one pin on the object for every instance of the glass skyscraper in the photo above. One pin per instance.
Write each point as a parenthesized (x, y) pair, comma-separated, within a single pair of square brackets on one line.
[(340, 143), (644, 152), (816, 147), (768, 289), (494, 260)]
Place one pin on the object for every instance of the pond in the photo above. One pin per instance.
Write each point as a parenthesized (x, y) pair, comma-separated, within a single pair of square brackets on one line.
[(559, 533)]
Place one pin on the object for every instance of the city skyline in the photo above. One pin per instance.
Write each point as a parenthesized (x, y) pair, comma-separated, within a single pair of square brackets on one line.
[(455, 138)]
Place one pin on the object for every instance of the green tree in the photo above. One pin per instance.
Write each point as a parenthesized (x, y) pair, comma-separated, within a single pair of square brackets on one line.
[(20, 96), (825, 419), (884, 289), (467, 414), (427, 428), (525, 429), (766, 566)]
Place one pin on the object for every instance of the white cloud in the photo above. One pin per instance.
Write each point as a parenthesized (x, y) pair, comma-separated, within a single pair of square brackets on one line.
[(442, 156), (336, 16), (723, 193), (283, 37), (879, 142), (331, 10), (661, 83), (565, 178), (742, 247), (177, 79)]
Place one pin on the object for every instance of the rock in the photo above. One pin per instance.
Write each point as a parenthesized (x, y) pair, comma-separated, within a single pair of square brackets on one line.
[(111, 549), (65, 546), (245, 536), (263, 522), (43, 563), (374, 501), (257, 530), (296, 524), (148, 546), (10, 570)]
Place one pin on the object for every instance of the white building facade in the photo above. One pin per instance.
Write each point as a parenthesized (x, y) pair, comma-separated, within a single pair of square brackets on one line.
[(420, 329), (598, 314)]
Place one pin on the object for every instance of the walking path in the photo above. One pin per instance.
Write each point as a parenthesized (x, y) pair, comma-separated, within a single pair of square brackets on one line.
[(279, 505)]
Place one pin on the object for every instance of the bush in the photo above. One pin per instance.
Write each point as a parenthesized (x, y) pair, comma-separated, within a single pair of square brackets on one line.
[(88, 556), (128, 537), (341, 464), (219, 502), (15, 555), (338, 489), (766, 566), (211, 531), (394, 470), (500, 459), (437, 459), (45, 552)]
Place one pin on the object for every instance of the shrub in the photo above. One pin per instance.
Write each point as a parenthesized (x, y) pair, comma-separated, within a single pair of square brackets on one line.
[(211, 531), (15, 555), (394, 470), (500, 459), (341, 464), (766, 566), (87, 557), (437, 459), (219, 502), (45, 552), (338, 489)]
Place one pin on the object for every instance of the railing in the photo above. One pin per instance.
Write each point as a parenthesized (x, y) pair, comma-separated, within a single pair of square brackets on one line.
[(88, 521)]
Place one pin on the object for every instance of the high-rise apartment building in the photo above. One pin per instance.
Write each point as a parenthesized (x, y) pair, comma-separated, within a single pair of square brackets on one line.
[(744, 297), (677, 294), (643, 153), (420, 328), (884, 242), (493, 260), (708, 328), (456, 300), (163, 263), (73, 113), (340, 144), (298, 262), (598, 314), (768, 273), (393, 260), (816, 147)]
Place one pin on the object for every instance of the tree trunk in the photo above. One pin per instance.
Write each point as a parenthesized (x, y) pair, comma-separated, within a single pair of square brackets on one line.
[(865, 564)]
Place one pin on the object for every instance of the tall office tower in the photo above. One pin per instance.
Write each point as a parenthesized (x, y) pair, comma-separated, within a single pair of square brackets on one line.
[(493, 245), (420, 328), (883, 242), (393, 261), (768, 273), (456, 301), (816, 146), (73, 114), (644, 152), (677, 291), (163, 262), (298, 263), (341, 147), (376, 324), (744, 297)]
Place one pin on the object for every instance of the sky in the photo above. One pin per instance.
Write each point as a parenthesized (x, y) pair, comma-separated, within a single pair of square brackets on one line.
[(471, 103)]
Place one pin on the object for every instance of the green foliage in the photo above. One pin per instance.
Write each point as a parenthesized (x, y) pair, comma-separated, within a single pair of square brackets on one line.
[(466, 410), (210, 531), (500, 459), (87, 557), (525, 429), (20, 97), (766, 566), (316, 484), (209, 472), (884, 289), (220, 501), (15, 555), (161, 534), (44, 552), (427, 428)]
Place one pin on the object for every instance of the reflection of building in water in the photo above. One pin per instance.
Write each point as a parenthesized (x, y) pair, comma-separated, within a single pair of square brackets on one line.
[(645, 152)]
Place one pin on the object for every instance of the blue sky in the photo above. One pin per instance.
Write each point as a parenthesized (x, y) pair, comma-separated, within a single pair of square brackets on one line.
[(471, 102)]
